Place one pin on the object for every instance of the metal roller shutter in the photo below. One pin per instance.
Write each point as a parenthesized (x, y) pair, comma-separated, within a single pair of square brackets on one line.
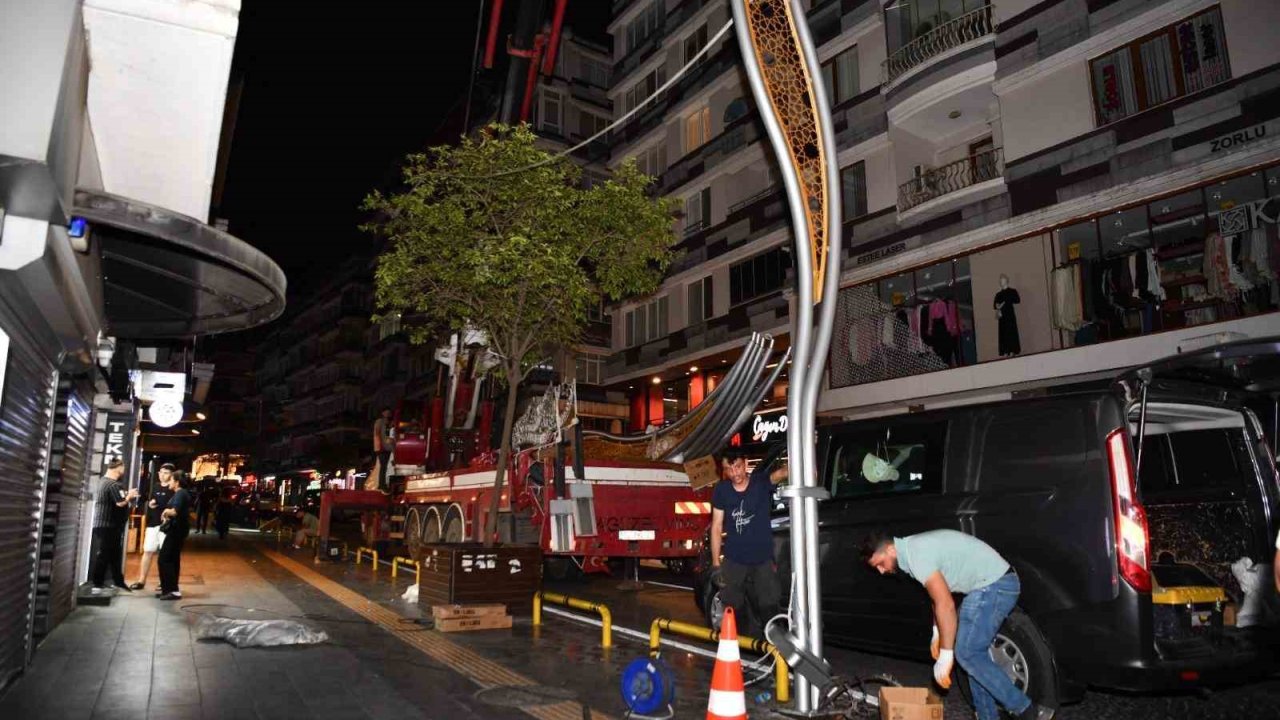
[(72, 430), (26, 410)]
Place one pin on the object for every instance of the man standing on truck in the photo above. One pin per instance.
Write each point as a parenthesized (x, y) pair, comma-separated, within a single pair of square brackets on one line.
[(945, 562), (383, 444), (746, 573)]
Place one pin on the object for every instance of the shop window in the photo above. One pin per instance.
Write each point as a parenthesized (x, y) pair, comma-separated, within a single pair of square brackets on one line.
[(697, 129), (675, 401), (882, 460), (1182, 58), (1124, 233), (853, 190), (700, 300), (840, 76), (1078, 242), (761, 275)]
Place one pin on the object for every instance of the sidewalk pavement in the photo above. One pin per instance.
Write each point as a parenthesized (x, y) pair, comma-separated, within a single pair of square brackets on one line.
[(138, 658)]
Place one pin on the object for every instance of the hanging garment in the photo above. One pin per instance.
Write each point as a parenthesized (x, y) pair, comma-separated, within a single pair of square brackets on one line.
[(1010, 343), (1153, 276), (1133, 275), (1066, 298), (946, 311), (886, 331)]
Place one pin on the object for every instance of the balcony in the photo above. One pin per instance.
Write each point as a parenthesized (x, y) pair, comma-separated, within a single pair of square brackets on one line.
[(952, 177), (947, 36), (737, 135)]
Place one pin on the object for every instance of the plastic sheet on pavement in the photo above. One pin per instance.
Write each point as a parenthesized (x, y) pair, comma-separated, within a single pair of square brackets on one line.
[(257, 633)]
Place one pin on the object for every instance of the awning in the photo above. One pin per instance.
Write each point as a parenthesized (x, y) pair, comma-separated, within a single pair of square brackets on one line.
[(167, 275)]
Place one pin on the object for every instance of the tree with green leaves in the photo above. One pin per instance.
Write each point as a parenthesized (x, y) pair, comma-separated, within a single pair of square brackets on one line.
[(498, 235)]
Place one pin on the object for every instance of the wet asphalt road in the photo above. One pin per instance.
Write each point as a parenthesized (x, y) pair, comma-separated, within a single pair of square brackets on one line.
[(663, 596)]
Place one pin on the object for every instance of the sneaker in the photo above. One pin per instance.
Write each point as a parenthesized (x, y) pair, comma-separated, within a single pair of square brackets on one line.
[(171, 596), (137, 586), (98, 591), (1038, 712)]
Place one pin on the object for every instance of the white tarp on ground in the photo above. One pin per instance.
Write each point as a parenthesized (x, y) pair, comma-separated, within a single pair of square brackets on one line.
[(257, 633)]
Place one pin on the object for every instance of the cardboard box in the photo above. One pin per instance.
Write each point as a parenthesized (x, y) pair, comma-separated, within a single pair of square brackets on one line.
[(1229, 612), (479, 622), (444, 612), (702, 472), (905, 703)]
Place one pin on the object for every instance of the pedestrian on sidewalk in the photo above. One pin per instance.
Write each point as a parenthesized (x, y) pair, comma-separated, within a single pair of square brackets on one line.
[(747, 577), (176, 527), (222, 512), (155, 510), (946, 562), (206, 500), (111, 518), (310, 527)]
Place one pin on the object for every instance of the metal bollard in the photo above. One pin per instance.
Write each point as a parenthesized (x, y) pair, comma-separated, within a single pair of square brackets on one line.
[(396, 562), (606, 617), (782, 674), (371, 553)]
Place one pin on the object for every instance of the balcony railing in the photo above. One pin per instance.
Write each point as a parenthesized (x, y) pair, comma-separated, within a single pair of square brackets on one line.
[(951, 34), (953, 176)]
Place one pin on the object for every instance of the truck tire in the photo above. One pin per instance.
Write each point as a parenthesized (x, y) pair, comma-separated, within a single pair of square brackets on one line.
[(431, 527), (1022, 652), (413, 526), (452, 530), (560, 569)]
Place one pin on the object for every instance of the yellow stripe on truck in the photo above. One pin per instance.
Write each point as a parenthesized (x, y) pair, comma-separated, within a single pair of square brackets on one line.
[(693, 508)]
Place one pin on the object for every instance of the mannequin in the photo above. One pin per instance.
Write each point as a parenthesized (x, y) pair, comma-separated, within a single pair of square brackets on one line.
[(1005, 299)]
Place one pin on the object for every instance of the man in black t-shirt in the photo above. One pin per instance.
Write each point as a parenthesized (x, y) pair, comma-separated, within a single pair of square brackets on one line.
[(746, 573), (178, 515), (111, 516), (151, 537)]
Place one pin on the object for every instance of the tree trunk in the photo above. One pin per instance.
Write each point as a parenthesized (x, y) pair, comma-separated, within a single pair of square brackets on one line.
[(504, 455)]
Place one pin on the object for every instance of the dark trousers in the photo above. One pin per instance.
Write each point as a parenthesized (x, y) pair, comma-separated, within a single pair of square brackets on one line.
[(110, 541), (202, 518), (384, 458), (170, 559), (753, 587)]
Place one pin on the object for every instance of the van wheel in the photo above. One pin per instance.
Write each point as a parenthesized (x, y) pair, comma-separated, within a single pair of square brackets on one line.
[(1021, 651), (713, 611)]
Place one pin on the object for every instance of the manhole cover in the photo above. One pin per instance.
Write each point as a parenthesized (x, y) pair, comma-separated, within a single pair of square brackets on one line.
[(524, 695)]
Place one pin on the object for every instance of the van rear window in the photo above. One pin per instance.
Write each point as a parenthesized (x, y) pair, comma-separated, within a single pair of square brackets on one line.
[(1194, 464), (890, 459)]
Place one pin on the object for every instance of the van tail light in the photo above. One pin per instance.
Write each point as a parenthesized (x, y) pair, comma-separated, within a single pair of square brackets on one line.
[(1133, 546)]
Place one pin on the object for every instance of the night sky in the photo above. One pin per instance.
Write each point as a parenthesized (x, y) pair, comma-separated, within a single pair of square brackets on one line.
[(335, 95)]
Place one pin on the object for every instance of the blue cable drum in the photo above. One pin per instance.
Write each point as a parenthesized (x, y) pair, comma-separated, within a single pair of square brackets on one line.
[(647, 686)]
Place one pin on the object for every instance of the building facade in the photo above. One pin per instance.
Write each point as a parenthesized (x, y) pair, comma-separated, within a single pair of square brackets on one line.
[(1033, 193)]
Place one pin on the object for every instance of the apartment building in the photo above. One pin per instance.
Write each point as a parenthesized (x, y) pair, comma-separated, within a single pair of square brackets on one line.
[(1033, 193)]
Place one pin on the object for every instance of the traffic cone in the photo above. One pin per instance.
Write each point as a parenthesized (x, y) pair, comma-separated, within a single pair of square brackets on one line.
[(727, 700)]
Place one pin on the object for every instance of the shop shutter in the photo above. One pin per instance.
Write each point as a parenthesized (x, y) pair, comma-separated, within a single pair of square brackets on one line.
[(66, 501), (26, 408)]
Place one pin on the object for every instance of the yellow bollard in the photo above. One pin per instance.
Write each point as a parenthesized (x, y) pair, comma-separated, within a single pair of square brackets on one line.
[(606, 617), (782, 674), (371, 553), (396, 562)]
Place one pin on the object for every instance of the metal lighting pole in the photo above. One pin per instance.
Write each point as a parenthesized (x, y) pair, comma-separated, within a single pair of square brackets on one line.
[(782, 70)]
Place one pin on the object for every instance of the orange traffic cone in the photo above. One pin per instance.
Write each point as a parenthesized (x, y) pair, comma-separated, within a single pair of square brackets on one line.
[(727, 701)]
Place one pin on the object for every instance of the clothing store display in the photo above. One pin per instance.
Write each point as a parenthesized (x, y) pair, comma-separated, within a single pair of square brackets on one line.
[(1010, 343), (1065, 294)]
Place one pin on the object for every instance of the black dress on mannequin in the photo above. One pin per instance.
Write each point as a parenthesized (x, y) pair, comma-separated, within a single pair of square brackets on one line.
[(1010, 343)]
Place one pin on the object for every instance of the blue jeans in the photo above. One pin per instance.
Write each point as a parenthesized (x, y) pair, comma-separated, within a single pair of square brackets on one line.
[(981, 614)]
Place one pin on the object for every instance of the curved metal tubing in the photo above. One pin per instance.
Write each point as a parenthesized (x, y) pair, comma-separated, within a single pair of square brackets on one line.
[(734, 379), (764, 387), (716, 435), (699, 442)]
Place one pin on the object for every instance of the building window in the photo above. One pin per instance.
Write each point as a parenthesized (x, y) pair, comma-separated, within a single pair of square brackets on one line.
[(1182, 58), (589, 368), (652, 161), (693, 43), (551, 106), (647, 322), (593, 72), (697, 211), (853, 190), (840, 75), (644, 25), (644, 88), (697, 129), (589, 124), (761, 275), (700, 299)]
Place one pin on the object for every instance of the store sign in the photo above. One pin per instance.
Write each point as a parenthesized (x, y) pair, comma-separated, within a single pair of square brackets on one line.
[(119, 440), (1248, 216), (1229, 142), (888, 251), (165, 413), (761, 428)]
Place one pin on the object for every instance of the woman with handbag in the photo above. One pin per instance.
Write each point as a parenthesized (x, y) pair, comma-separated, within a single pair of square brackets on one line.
[(176, 526)]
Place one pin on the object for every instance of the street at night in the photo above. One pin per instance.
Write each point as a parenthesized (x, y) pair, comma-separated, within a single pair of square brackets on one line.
[(640, 359)]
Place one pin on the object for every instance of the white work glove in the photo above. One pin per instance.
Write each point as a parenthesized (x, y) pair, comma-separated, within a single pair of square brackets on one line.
[(942, 668), (935, 643)]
